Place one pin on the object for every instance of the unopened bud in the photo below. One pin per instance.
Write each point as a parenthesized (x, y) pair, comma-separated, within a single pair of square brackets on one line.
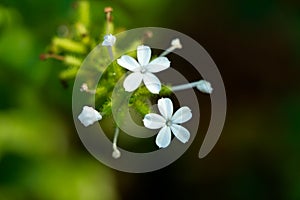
[(204, 86), (176, 43)]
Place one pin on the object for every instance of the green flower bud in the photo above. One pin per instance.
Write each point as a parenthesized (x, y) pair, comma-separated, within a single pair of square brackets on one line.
[(69, 45)]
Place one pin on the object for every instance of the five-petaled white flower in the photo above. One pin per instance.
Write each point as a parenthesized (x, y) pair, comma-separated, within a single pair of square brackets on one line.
[(109, 40), (168, 122), (143, 70), (89, 115)]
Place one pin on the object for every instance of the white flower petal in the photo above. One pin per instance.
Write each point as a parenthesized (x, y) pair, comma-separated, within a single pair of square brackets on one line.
[(132, 81), (128, 63), (152, 83), (143, 55), (180, 133), (163, 138), (165, 107), (106, 43), (154, 121), (158, 64), (182, 115), (89, 115)]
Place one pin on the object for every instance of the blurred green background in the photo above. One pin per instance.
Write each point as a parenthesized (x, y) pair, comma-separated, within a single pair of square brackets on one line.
[(255, 44)]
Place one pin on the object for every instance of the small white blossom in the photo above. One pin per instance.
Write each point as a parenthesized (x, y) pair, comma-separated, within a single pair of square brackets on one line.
[(109, 40), (204, 86), (168, 122), (143, 70), (176, 43), (89, 115), (84, 87)]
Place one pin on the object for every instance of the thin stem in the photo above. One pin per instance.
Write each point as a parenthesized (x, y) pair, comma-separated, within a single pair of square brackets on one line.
[(167, 51), (54, 56), (108, 27), (111, 54), (116, 135), (184, 86), (91, 91), (116, 153)]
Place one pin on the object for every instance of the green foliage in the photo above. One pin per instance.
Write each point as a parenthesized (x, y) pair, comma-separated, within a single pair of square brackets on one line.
[(38, 159)]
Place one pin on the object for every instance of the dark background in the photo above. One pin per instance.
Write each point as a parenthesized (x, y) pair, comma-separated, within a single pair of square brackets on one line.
[(256, 46)]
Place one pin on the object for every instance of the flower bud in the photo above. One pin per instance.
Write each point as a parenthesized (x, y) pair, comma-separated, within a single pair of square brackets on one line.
[(176, 43), (109, 40), (108, 11), (68, 45), (84, 87), (204, 86), (116, 154), (72, 61)]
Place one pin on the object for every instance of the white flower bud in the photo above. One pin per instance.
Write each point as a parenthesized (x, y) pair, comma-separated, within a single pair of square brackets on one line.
[(89, 115), (116, 154), (84, 87), (204, 86), (176, 43), (109, 40)]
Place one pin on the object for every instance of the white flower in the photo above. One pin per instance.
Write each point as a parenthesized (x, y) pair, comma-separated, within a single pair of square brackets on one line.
[(109, 40), (89, 115), (143, 70), (204, 86), (168, 122)]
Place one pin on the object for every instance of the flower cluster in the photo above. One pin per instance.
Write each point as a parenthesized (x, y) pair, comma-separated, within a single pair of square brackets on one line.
[(72, 47), (141, 71)]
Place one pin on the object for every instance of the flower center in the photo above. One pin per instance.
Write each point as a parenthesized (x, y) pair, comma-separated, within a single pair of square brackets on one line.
[(169, 122), (143, 70)]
